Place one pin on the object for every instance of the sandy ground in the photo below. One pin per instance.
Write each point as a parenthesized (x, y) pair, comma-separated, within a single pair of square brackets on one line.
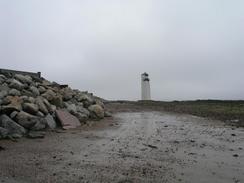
[(136, 145)]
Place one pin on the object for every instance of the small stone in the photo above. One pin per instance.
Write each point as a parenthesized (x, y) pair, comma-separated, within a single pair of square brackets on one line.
[(49, 95), (36, 135), (107, 114), (13, 114)]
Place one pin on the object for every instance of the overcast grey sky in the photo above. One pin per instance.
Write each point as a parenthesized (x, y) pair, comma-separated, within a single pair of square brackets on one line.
[(192, 49)]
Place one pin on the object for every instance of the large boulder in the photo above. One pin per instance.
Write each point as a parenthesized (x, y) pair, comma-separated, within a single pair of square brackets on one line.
[(51, 123), (23, 78), (30, 108), (42, 89), (15, 104), (41, 105), (67, 93), (14, 92), (67, 120), (16, 84), (34, 91), (14, 129), (96, 111), (26, 120), (49, 95)]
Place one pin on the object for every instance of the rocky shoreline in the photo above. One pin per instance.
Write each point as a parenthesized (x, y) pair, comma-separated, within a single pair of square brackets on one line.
[(29, 105)]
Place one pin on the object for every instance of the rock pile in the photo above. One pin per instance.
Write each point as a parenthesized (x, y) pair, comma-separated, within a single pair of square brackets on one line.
[(29, 104)]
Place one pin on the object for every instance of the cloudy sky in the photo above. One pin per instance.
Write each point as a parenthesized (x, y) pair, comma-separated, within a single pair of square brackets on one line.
[(192, 49)]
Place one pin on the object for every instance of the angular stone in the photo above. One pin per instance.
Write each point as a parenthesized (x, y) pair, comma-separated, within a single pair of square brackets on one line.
[(67, 120), (96, 111), (34, 91), (30, 108), (14, 129), (23, 78), (14, 92), (16, 84), (51, 123)]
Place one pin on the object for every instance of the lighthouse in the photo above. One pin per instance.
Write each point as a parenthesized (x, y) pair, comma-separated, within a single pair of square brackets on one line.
[(145, 87)]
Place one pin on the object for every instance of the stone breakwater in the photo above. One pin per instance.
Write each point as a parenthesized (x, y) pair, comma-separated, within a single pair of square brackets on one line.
[(29, 105)]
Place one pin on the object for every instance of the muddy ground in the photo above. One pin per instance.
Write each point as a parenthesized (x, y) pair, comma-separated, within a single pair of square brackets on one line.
[(138, 144)]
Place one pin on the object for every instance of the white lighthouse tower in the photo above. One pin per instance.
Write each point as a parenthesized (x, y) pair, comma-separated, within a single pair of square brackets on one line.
[(145, 87)]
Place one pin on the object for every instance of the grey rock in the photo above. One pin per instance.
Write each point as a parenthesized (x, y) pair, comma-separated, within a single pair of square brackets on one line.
[(81, 117), (96, 111), (15, 105), (57, 101), (27, 93), (16, 84), (36, 135), (26, 120), (30, 108), (41, 124), (51, 123), (14, 129), (13, 114), (49, 95), (3, 94), (107, 114), (23, 78), (46, 83), (35, 91), (81, 109), (31, 100), (67, 94), (71, 108), (40, 114), (3, 133), (3, 77), (41, 105), (14, 92), (41, 89)]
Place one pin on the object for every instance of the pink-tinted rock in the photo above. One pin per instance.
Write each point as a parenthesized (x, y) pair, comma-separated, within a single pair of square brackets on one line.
[(67, 120)]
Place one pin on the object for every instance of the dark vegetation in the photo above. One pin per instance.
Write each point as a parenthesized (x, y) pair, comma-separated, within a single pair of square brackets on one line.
[(229, 111)]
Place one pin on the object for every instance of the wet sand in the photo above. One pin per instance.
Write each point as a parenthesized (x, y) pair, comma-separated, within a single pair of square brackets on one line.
[(136, 145)]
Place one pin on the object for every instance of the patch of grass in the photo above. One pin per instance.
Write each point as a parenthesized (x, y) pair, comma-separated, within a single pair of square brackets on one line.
[(231, 111)]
